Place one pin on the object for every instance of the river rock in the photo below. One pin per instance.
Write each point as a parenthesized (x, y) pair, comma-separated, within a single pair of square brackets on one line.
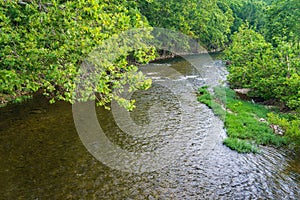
[(242, 93), (242, 90), (277, 129), (263, 120)]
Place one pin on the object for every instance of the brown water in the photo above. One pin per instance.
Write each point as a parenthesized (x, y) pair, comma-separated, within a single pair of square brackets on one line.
[(42, 156)]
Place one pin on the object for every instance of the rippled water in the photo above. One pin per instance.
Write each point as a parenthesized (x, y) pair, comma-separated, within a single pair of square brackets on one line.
[(42, 156)]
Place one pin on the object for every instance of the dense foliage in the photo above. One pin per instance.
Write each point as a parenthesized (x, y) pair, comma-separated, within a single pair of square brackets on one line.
[(271, 72), (208, 21), (43, 44), (283, 21), (269, 63), (251, 11)]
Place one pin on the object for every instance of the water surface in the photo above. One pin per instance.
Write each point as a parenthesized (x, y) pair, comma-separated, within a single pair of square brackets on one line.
[(42, 156)]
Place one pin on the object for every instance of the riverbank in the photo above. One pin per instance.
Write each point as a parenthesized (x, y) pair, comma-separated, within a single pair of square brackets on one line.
[(6, 99), (249, 125), (21, 96), (169, 55)]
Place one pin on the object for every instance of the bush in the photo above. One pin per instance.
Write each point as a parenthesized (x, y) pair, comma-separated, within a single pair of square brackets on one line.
[(291, 125), (271, 73), (43, 44)]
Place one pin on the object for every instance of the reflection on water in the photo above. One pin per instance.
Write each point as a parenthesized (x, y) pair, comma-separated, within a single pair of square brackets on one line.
[(42, 157)]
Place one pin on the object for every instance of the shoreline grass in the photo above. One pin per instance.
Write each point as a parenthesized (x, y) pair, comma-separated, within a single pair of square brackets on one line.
[(242, 120)]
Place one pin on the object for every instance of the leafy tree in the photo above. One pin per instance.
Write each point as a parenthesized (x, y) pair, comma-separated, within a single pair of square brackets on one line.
[(283, 21), (272, 73), (252, 11), (43, 44), (207, 21)]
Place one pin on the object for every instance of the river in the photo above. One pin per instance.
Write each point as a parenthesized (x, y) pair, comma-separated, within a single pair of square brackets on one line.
[(42, 156)]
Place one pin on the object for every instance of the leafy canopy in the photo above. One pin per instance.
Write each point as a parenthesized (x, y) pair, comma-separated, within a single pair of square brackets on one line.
[(43, 44)]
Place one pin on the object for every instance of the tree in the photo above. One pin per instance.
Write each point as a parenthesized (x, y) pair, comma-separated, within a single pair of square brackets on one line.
[(43, 44), (283, 21), (203, 20), (271, 72), (252, 11)]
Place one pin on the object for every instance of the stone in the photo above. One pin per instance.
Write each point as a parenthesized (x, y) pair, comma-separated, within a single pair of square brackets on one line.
[(277, 129), (242, 91), (263, 120)]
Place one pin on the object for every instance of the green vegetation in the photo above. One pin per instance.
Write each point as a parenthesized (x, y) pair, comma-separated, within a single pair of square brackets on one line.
[(214, 102), (266, 60), (289, 123), (251, 11), (241, 146), (208, 21), (283, 22), (242, 121), (271, 72), (43, 43)]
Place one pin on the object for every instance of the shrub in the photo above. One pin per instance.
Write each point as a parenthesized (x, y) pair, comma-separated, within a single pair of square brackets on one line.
[(271, 72)]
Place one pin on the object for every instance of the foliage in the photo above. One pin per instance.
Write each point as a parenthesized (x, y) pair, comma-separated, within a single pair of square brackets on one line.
[(208, 21), (283, 19), (43, 44), (240, 146), (271, 72), (212, 101), (251, 11), (291, 125), (244, 130)]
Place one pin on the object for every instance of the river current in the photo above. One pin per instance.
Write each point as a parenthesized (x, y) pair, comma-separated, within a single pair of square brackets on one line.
[(42, 155)]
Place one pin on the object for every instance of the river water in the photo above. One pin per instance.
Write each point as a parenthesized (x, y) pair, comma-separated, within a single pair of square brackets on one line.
[(42, 155)]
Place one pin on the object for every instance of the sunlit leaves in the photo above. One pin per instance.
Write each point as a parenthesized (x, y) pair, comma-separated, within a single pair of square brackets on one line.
[(203, 20), (43, 44), (271, 72), (283, 21)]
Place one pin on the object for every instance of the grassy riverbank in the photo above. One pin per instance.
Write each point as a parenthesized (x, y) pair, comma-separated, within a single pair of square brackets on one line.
[(247, 124)]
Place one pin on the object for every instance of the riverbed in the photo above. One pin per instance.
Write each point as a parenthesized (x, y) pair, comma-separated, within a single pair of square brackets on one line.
[(42, 155)]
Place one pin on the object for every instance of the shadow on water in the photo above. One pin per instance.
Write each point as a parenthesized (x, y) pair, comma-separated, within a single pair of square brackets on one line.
[(42, 157)]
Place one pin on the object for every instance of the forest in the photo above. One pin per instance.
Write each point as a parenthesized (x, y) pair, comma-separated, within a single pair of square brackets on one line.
[(44, 42)]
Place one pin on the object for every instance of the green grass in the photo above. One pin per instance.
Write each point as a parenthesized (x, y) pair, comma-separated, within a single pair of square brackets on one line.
[(239, 145), (241, 119), (206, 98)]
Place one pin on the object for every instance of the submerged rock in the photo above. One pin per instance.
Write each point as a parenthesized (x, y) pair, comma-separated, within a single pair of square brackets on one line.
[(37, 111)]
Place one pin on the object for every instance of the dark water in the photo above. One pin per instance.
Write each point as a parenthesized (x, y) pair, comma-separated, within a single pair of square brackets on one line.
[(42, 156)]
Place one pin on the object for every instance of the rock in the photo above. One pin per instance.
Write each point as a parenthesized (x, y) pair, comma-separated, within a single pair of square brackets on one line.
[(242, 91), (37, 111), (277, 129), (229, 111), (263, 120)]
